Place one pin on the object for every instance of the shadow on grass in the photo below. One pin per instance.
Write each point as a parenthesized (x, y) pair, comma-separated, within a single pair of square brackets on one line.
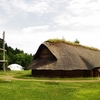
[(5, 81), (52, 83), (26, 76)]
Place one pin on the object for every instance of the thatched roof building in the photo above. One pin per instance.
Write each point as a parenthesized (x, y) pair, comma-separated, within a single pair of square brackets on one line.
[(64, 59)]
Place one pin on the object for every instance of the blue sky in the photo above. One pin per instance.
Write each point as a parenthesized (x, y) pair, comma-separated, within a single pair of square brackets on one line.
[(28, 23)]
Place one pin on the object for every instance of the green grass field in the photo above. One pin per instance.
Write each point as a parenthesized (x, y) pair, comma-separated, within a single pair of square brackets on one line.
[(46, 90)]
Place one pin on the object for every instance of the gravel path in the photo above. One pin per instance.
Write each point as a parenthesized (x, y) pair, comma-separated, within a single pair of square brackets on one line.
[(10, 78)]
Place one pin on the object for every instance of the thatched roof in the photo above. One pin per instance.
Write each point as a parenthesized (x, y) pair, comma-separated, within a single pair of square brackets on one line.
[(65, 57)]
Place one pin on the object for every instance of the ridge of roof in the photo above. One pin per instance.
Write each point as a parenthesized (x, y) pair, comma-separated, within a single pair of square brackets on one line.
[(71, 43)]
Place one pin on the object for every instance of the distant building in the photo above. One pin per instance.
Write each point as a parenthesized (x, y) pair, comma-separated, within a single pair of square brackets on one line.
[(15, 67)]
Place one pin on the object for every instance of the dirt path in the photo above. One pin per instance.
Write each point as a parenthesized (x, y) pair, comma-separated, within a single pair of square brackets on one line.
[(10, 78)]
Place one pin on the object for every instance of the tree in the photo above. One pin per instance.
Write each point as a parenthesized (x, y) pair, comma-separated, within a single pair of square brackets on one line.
[(16, 56), (77, 41), (17, 51), (23, 59)]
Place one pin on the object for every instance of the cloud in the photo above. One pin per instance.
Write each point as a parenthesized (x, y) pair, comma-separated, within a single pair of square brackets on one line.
[(65, 19), (35, 29), (2, 21), (30, 6), (38, 7), (83, 7), (78, 15), (16, 11)]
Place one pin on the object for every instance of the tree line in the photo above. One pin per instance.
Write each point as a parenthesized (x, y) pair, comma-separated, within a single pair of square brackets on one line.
[(16, 56)]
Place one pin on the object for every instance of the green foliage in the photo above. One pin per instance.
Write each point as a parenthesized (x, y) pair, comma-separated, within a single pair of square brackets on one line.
[(1, 56), (23, 59), (1, 44), (77, 41), (17, 56), (57, 40)]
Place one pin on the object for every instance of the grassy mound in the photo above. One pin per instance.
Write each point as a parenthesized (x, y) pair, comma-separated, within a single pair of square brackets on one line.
[(70, 43)]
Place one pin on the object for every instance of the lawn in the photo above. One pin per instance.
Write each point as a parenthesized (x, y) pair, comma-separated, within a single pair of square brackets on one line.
[(47, 90)]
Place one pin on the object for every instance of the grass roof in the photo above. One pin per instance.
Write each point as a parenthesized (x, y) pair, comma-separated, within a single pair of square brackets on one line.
[(70, 43)]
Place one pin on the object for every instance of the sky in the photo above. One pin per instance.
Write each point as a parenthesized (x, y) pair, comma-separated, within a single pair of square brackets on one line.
[(28, 23)]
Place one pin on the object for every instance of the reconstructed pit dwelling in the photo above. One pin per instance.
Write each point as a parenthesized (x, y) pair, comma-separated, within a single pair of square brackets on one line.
[(60, 58)]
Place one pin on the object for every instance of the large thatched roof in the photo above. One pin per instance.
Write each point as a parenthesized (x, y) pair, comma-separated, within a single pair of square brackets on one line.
[(65, 57)]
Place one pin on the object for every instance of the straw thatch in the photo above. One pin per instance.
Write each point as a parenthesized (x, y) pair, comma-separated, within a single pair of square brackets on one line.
[(65, 59)]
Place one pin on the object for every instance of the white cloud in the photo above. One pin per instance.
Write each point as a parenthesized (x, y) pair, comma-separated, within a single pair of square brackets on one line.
[(2, 21), (35, 29), (80, 14), (38, 7), (35, 6), (41, 7), (83, 7), (5, 4), (65, 19)]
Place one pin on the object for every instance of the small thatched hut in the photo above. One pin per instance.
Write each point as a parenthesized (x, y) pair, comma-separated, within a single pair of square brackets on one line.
[(65, 59)]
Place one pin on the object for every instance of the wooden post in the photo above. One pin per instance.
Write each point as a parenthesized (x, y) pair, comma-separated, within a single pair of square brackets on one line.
[(91, 73), (2, 49), (4, 69)]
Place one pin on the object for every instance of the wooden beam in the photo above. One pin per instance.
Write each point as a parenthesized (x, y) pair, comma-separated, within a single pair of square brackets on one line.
[(3, 61), (2, 49)]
